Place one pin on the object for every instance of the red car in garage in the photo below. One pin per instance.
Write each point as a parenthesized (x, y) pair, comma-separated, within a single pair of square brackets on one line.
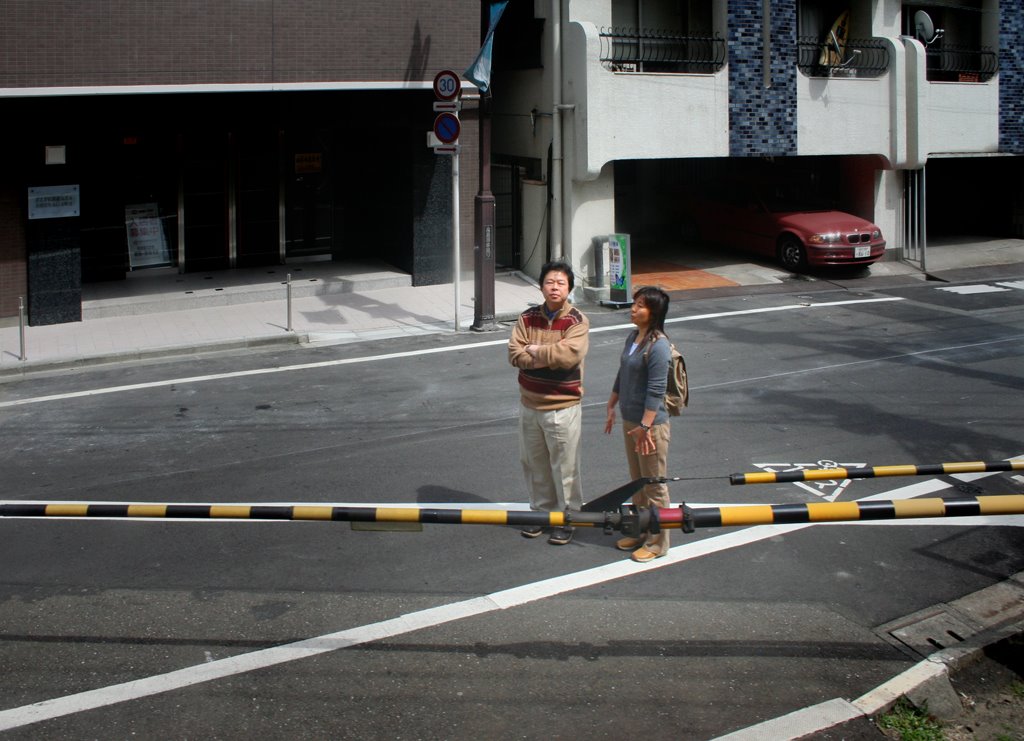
[(784, 223)]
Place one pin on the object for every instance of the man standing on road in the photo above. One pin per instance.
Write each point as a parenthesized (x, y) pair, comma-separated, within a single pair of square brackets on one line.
[(548, 345)]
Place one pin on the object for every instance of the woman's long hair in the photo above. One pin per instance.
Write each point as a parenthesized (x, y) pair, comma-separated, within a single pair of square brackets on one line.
[(656, 301)]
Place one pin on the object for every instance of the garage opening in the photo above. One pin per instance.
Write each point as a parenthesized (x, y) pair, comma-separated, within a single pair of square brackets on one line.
[(974, 197)]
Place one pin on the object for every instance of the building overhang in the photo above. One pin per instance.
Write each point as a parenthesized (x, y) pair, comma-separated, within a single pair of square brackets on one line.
[(255, 87)]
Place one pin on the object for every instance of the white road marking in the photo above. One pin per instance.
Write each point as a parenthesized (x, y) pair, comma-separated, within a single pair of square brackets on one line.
[(432, 617), (828, 490), (879, 359), (396, 355), (968, 290), (799, 723)]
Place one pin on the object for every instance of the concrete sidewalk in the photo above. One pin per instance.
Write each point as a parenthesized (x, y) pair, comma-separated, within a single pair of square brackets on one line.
[(164, 315), (160, 312)]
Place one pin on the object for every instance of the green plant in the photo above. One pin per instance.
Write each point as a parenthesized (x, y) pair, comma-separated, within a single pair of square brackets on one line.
[(910, 723)]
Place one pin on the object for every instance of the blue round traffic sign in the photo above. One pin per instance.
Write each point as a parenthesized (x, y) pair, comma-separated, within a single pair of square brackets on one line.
[(447, 127)]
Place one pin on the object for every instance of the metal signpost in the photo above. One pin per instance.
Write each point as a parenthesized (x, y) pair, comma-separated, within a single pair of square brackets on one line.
[(447, 88)]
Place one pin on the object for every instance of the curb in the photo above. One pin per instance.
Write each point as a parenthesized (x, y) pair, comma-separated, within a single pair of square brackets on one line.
[(926, 683), (29, 366)]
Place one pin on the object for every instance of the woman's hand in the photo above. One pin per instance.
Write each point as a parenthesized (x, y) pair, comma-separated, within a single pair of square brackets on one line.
[(609, 420), (644, 441)]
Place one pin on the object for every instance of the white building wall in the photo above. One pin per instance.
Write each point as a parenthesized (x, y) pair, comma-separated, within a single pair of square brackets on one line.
[(593, 215), (843, 115), (598, 12), (898, 117), (959, 117), (620, 115), (946, 117), (534, 248), (888, 205), (521, 115), (886, 17)]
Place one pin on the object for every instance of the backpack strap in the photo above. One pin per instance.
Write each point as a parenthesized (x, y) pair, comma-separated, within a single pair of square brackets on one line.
[(649, 341)]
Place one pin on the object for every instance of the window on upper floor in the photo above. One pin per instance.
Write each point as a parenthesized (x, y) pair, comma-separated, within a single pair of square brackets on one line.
[(834, 40), (956, 36), (675, 36)]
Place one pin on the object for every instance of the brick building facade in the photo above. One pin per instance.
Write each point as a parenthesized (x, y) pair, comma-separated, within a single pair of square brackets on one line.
[(236, 133)]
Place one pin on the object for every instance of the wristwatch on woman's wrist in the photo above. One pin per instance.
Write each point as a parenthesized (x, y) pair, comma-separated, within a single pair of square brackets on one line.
[(645, 428)]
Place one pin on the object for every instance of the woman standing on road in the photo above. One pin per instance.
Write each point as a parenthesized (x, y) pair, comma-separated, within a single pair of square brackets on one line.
[(639, 392)]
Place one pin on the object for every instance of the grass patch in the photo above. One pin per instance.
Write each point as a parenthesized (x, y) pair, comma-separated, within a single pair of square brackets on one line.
[(907, 723)]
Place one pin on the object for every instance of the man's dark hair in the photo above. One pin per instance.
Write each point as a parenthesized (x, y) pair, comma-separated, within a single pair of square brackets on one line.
[(559, 266)]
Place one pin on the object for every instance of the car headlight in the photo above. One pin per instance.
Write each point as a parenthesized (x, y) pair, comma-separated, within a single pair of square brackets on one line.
[(876, 234), (829, 238)]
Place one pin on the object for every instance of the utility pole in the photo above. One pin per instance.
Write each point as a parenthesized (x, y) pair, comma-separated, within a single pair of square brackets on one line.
[(483, 233)]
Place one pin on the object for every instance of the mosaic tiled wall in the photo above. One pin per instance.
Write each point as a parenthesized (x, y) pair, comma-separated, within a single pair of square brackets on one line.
[(762, 120), (1011, 77)]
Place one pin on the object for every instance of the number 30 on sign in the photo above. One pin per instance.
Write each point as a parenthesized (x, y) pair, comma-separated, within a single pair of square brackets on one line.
[(447, 85)]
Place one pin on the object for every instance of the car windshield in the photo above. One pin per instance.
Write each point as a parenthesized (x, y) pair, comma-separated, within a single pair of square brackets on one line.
[(788, 198)]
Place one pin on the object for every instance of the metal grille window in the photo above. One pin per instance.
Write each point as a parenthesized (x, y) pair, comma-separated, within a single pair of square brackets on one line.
[(957, 46), (647, 50), (953, 63), (856, 58)]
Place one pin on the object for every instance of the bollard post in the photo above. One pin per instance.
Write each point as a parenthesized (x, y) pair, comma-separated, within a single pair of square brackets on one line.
[(21, 328), (289, 291)]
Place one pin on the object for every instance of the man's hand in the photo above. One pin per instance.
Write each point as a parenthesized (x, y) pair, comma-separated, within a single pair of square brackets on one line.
[(533, 351)]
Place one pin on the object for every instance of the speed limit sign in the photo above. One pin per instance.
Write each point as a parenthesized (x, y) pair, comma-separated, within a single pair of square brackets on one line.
[(447, 85)]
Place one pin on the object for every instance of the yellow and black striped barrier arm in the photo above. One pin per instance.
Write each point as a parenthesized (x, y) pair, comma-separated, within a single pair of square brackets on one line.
[(826, 474), (688, 518), (627, 519), (296, 513)]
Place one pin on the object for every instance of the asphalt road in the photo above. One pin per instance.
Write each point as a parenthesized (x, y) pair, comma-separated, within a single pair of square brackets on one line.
[(116, 628)]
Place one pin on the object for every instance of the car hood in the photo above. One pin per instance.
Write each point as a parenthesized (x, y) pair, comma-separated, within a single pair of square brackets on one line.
[(823, 221)]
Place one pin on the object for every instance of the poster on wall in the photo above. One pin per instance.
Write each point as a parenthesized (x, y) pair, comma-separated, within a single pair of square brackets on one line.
[(147, 243)]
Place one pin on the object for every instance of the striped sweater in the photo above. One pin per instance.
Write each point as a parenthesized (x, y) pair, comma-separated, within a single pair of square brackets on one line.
[(557, 381)]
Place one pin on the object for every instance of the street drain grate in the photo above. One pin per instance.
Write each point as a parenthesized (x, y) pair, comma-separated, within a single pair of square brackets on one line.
[(923, 633)]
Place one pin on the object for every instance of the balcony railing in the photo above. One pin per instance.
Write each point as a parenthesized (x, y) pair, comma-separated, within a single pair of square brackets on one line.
[(951, 63), (858, 58), (645, 50)]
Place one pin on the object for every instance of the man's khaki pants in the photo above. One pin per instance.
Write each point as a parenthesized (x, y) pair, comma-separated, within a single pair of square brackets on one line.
[(549, 449)]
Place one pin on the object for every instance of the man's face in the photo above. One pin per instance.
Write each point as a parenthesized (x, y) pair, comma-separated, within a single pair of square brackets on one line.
[(555, 288)]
